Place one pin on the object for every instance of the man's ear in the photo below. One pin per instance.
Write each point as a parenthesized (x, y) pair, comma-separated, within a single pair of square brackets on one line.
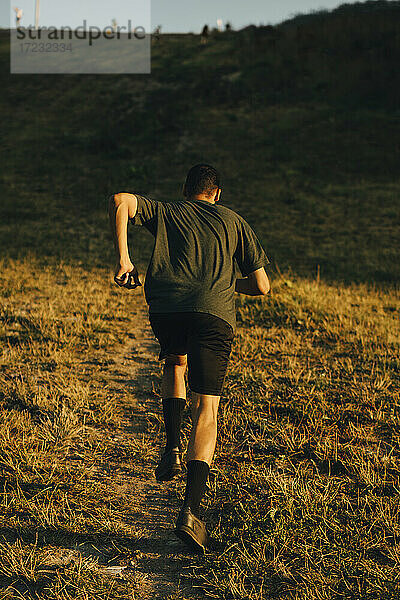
[(217, 195), (184, 190)]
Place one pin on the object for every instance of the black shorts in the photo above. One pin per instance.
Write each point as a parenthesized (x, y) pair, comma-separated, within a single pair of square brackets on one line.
[(206, 340)]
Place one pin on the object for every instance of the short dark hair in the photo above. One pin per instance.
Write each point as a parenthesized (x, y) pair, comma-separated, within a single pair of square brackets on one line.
[(201, 179)]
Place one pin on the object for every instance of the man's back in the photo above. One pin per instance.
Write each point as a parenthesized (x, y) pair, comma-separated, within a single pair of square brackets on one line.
[(199, 249)]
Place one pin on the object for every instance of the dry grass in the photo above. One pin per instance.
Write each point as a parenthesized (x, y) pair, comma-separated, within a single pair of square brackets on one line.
[(306, 487), (60, 522)]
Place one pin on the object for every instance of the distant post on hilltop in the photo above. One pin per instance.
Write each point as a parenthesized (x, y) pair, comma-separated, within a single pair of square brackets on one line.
[(18, 16), (157, 33), (37, 10), (204, 35), (219, 25), (114, 25)]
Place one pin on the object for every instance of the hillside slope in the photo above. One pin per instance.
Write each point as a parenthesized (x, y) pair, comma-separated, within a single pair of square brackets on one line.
[(303, 493), (302, 120)]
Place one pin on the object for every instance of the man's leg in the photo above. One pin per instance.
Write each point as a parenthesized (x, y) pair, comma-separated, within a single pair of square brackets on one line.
[(203, 436), (209, 346), (173, 381), (189, 527), (201, 448), (173, 392)]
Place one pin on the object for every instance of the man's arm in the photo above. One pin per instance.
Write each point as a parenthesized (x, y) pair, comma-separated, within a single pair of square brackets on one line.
[(256, 284), (121, 208)]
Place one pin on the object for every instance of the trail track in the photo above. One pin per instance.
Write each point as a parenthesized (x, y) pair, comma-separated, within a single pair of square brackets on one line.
[(160, 559)]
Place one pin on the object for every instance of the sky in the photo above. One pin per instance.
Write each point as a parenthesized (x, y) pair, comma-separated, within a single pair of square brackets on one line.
[(173, 15)]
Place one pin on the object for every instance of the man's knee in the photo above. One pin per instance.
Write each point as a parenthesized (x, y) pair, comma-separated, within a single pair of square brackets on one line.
[(176, 360)]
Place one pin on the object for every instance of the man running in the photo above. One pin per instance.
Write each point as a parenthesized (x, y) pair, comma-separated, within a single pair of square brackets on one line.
[(199, 249)]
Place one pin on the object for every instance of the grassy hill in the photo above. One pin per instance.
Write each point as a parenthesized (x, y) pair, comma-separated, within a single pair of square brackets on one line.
[(302, 119)]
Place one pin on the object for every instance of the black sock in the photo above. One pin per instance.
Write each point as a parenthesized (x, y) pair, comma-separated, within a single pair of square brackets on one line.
[(196, 483), (173, 409)]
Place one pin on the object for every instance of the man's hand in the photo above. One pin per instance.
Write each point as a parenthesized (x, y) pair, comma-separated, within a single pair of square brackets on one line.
[(256, 284), (126, 275)]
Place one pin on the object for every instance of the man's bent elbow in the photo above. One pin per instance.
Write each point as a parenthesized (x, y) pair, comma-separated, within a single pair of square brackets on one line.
[(264, 291), (264, 288)]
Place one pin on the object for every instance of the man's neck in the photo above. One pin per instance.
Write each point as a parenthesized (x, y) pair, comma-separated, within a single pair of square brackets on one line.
[(201, 198)]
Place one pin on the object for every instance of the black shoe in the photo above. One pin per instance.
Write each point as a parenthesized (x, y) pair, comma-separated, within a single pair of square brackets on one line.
[(191, 530), (169, 465)]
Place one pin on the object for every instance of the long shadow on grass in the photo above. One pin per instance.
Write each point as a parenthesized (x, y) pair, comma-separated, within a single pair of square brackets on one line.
[(26, 587), (27, 330), (101, 546), (15, 402)]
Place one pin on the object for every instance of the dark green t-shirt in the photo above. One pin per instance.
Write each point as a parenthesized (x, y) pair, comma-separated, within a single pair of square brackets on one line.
[(199, 251)]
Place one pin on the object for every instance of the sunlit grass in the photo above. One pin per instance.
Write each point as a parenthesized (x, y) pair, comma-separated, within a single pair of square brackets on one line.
[(306, 486), (60, 521)]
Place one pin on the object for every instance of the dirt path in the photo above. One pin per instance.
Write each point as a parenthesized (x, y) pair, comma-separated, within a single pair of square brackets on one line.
[(160, 558)]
